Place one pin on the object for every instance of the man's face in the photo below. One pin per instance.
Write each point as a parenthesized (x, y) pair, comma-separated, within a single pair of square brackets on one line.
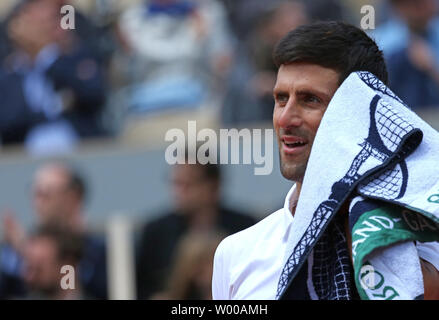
[(41, 265), (302, 94), (51, 195), (417, 13), (192, 189)]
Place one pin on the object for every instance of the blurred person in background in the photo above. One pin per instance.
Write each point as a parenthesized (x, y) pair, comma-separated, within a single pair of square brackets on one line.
[(47, 250), (58, 198), (326, 10), (253, 66), (196, 193), (52, 81), (192, 267), (176, 53), (243, 15), (270, 28), (91, 33), (410, 42)]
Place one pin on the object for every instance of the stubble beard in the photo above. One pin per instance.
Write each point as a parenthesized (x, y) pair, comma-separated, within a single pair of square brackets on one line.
[(293, 167), (293, 171)]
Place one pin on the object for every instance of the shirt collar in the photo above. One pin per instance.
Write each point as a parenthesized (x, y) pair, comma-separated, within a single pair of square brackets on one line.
[(287, 205)]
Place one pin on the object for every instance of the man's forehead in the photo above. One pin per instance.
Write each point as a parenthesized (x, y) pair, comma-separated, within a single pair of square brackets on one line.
[(53, 175), (306, 75), (187, 169)]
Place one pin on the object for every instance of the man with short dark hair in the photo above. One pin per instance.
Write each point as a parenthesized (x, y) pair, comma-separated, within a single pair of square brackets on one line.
[(59, 195), (49, 249), (260, 262), (58, 198), (196, 190)]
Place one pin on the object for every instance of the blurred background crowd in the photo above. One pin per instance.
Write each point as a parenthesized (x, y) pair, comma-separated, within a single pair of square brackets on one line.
[(83, 114)]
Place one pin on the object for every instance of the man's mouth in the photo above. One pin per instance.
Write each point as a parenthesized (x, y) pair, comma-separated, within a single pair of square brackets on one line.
[(292, 145)]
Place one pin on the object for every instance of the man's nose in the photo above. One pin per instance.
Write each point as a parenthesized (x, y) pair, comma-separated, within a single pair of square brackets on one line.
[(290, 115)]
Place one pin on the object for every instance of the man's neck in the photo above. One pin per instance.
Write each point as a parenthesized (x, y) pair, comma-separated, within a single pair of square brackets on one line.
[(77, 222), (295, 198), (73, 221), (203, 219)]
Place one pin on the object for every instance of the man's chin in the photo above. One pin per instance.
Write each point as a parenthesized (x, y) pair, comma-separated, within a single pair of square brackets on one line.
[(292, 172)]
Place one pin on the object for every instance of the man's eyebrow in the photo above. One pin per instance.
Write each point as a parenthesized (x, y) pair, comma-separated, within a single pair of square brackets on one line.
[(316, 92), (280, 92)]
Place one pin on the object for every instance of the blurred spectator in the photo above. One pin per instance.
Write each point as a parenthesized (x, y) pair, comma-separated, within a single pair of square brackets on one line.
[(95, 37), (47, 250), (178, 52), (410, 41), (192, 267), (52, 81), (250, 95), (242, 14), (324, 10), (196, 192), (58, 198)]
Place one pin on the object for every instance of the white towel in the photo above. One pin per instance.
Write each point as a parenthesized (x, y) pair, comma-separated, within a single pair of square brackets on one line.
[(372, 146)]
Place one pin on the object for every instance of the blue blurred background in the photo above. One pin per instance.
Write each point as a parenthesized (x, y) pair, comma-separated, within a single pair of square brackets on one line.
[(102, 96)]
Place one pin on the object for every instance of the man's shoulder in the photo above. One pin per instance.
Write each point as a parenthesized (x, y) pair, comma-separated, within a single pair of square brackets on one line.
[(235, 213), (234, 221), (245, 240), (163, 221), (239, 257)]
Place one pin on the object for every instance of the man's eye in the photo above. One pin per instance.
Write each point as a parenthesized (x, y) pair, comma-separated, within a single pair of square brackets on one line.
[(281, 99), (311, 99)]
